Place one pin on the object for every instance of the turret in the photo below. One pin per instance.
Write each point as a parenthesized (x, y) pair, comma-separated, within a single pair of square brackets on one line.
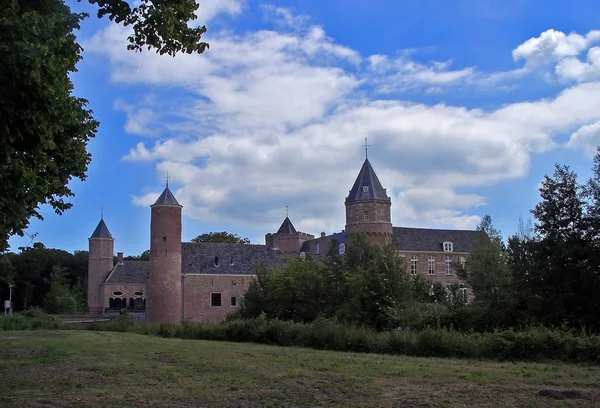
[(100, 263), (287, 239), (368, 207), (163, 287)]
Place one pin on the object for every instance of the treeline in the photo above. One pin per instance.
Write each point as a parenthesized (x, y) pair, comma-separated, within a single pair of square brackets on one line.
[(546, 274), (52, 279)]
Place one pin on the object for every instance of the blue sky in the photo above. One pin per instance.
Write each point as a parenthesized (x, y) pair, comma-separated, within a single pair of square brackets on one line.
[(466, 104)]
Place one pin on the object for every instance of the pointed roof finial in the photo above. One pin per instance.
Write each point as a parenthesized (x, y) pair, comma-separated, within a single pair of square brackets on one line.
[(366, 146), (101, 212), (167, 178), (287, 211)]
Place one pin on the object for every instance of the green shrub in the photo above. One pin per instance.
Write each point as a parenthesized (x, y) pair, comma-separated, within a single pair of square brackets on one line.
[(32, 319)]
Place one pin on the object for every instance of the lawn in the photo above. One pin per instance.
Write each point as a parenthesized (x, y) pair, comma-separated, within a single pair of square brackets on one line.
[(85, 368)]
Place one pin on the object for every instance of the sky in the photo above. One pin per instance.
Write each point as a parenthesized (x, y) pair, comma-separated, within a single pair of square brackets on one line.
[(466, 105)]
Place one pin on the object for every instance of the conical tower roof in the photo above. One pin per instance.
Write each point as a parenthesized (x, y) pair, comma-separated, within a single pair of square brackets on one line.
[(101, 231), (367, 186), (166, 198), (286, 227)]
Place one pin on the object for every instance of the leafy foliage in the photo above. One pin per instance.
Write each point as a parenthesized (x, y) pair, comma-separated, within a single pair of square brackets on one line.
[(221, 237), (45, 128)]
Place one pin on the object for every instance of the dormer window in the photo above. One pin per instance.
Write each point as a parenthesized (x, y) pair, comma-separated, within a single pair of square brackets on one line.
[(342, 249), (448, 246), (365, 189), (366, 215)]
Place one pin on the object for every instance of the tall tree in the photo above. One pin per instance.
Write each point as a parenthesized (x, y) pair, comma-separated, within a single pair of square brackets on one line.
[(45, 128), (221, 237)]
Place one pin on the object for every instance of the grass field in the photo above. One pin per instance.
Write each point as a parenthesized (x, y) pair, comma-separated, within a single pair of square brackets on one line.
[(85, 368)]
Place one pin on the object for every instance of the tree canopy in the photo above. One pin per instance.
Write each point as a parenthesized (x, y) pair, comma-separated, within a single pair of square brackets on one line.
[(45, 128), (221, 237)]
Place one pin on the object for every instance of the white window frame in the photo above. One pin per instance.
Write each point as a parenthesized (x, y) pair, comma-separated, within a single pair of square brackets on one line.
[(431, 266), (365, 189), (366, 216), (448, 265), (414, 265), (448, 247)]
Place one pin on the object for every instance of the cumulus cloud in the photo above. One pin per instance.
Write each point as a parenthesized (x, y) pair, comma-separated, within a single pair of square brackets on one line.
[(210, 8), (586, 138), (275, 118)]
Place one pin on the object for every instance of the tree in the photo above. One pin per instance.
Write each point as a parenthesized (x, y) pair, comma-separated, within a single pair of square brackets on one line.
[(45, 128), (144, 256), (221, 237)]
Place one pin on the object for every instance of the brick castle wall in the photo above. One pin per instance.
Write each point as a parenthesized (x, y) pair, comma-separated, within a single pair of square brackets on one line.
[(100, 263), (378, 226), (164, 283), (197, 289)]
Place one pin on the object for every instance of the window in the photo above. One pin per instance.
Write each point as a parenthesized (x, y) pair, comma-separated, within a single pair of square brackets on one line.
[(447, 246), (431, 265), (463, 261), (138, 294), (118, 293), (448, 262), (413, 265), (366, 215), (365, 189), (464, 294), (217, 261), (318, 248), (215, 299), (233, 301), (342, 249), (231, 263), (403, 255), (164, 238)]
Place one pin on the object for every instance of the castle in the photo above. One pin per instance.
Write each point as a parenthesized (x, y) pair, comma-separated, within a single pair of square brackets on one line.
[(206, 281)]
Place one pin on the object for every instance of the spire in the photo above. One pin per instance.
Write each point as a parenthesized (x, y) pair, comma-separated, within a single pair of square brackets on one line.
[(367, 186), (101, 231), (286, 227), (166, 198)]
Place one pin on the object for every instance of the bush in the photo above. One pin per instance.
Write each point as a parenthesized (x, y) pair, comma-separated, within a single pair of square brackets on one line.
[(32, 319)]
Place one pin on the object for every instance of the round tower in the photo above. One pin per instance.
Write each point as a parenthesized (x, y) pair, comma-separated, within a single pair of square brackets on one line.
[(100, 263), (163, 288), (368, 207)]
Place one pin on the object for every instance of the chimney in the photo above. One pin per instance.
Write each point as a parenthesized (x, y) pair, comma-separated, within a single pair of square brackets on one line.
[(322, 234), (120, 258)]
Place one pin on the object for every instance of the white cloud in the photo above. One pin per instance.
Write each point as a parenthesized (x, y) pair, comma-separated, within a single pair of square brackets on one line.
[(573, 69), (552, 44), (275, 118), (586, 138), (208, 9)]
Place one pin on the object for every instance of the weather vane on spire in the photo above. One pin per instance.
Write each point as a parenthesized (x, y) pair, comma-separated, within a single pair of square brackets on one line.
[(366, 146), (167, 178)]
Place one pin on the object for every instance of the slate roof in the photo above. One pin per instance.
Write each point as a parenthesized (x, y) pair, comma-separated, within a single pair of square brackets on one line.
[(101, 230), (367, 177), (129, 272), (166, 198), (424, 239), (286, 227), (235, 259)]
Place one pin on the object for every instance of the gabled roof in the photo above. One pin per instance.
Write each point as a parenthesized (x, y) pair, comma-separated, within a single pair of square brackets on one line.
[(287, 227), (219, 258), (101, 231), (166, 198), (431, 240), (129, 272), (367, 178)]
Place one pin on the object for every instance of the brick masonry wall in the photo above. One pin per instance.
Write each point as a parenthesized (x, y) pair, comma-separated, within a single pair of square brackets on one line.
[(197, 289), (164, 283), (378, 226), (288, 243), (128, 291), (100, 263), (439, 265)]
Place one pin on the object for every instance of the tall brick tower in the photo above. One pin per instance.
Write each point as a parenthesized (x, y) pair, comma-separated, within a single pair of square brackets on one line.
[(100, 263), (368, 207), (163, 288)]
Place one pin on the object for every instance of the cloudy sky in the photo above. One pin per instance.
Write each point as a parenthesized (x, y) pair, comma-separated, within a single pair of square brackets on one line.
[(466, 105)]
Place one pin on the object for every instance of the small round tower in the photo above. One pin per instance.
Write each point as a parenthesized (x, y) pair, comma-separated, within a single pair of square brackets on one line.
[(163, 288), (100, 263), (368, 207)]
